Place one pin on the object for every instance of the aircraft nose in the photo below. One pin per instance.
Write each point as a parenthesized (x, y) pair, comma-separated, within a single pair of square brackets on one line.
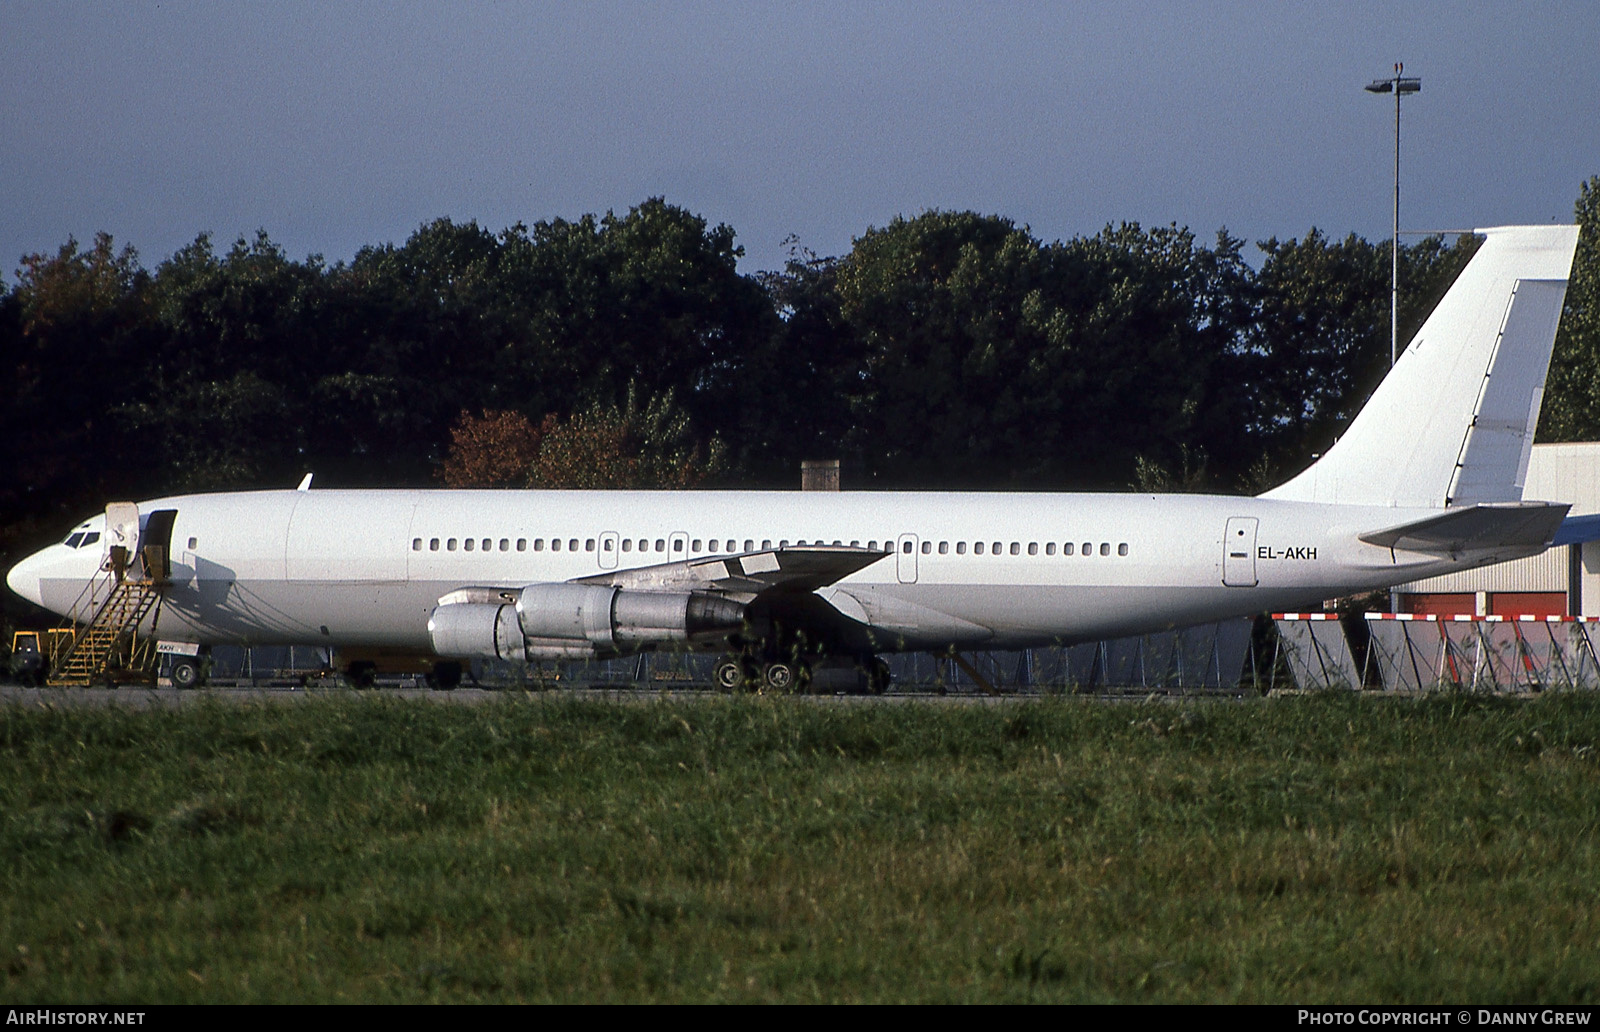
[(25, 578)]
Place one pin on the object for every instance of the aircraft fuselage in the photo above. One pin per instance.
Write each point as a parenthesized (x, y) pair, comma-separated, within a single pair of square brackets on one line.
[(987, 570)]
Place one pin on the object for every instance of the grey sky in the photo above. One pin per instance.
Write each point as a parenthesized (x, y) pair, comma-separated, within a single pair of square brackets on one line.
[(336, 125)]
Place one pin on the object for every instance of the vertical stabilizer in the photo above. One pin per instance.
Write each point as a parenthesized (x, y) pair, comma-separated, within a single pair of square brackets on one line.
[(1453, 421)]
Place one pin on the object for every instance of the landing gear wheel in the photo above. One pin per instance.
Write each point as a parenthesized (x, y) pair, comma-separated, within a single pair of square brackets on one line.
[(878, 676), (778, 677), (185, 673), (729, 675), (362, 674), (445, 676)]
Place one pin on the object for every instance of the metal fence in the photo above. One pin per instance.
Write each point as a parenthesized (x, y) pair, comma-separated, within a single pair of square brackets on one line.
[(1418, 652), (1206, 658), (1314, 648)]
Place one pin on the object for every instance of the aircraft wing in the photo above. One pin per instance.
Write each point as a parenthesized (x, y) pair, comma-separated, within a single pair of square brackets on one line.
[(747, 574), (1517, 526)]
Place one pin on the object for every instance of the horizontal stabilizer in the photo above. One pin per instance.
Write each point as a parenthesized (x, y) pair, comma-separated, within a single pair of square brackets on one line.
[(1575, 530), (749, 573), (1521, 527)]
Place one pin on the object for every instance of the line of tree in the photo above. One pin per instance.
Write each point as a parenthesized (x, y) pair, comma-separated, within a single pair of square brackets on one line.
[(949, 350)]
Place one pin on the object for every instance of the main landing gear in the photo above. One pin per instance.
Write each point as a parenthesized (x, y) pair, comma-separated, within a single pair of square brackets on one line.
[(785, 674), (730, 674), (750, 673)]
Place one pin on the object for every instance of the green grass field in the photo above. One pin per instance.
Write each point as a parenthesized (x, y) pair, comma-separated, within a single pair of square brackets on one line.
[(556, 848)]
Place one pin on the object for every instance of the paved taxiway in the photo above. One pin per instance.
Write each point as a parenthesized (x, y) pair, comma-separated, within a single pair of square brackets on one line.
[(132, 697)]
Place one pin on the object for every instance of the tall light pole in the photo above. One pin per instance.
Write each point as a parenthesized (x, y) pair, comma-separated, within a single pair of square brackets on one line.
[(1399, 86)]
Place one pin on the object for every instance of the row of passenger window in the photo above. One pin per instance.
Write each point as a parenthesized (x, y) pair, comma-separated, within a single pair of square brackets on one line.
[(731, 545), (488, 544), (1016, 547)]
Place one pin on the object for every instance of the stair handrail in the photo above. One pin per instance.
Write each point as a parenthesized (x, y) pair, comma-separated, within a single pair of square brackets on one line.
[(66, 642)]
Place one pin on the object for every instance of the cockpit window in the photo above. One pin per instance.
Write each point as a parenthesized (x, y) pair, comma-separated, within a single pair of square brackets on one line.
[(81, 536)]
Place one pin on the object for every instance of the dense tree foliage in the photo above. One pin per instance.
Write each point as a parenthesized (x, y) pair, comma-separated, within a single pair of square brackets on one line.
[(1572, 394), (991, 359), (633, 444), (76, 321), (496, 449), (952, 349)]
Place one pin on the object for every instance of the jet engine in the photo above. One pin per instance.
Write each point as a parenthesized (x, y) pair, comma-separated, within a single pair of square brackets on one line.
[(573, 621)]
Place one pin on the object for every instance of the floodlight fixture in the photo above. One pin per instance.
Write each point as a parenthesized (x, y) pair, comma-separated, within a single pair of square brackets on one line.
[(1403, 85)]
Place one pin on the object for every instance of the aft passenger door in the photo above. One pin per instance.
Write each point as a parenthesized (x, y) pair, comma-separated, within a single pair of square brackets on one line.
[(1239, 552), (608, 550)]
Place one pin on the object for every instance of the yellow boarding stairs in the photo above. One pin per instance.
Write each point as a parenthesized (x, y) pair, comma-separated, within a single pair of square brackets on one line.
[(101, 639)]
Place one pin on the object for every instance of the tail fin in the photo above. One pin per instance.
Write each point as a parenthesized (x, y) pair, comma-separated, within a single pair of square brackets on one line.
[(1453, 421)]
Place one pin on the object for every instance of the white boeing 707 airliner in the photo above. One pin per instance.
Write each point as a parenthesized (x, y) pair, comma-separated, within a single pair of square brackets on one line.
[(1427, 480)]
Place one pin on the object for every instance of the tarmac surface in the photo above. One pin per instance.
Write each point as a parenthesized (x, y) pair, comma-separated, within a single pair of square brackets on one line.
[(139, 697)]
